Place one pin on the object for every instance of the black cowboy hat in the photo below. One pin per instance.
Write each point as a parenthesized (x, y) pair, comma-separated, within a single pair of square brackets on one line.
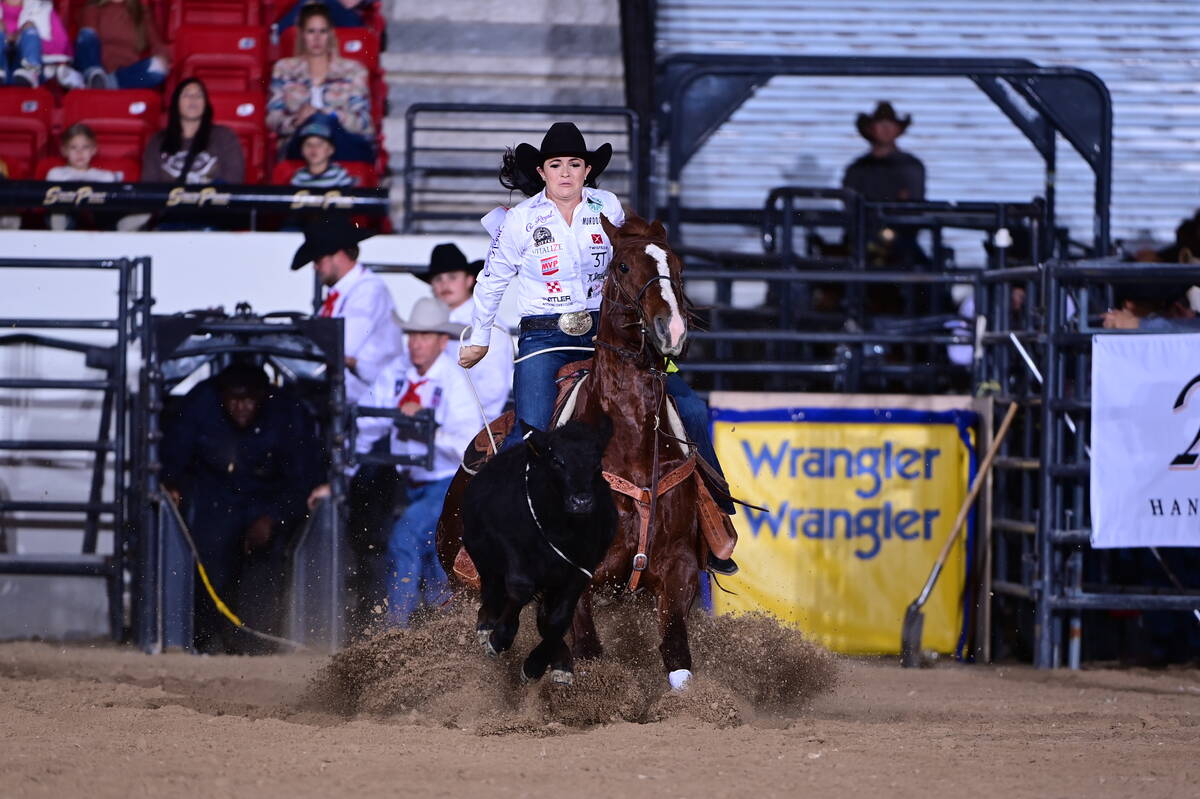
[(883, 112), (326, 236), (563, 139), (448, 258)]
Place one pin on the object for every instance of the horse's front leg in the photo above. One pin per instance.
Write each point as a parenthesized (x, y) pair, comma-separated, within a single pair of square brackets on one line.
[(585, 641), (675, 595)]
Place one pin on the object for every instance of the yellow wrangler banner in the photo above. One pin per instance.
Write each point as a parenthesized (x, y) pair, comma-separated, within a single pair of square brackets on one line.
[(859, 501)]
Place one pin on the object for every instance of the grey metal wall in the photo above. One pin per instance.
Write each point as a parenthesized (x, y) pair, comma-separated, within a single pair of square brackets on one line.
[(801, 130)]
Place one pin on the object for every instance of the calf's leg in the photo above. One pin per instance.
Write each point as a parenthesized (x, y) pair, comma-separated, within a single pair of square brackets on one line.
[(518, 593), (553, 619), (491, 605)]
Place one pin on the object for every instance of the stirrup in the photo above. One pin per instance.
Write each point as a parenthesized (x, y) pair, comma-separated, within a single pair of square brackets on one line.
[(725, 566)]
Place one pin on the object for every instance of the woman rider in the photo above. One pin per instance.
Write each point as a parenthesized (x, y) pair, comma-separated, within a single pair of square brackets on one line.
[(555, 246)]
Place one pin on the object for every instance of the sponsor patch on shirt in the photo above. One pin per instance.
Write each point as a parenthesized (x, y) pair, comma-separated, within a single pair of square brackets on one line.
[(595, 277), (559, 299), (554, 287), (591, 220), (541, 236), (550, 266), (595, 204), (597, 238)]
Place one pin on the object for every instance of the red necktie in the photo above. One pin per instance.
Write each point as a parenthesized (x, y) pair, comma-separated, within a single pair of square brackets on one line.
[(327, 306), (411, 394)]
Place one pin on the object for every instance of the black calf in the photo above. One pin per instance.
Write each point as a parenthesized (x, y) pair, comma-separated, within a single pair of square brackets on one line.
[(538, 519)]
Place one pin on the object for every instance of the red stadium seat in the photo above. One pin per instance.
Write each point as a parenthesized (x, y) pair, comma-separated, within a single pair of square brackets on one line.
[(26, 124), (227, 59), (245, 114), (122, 120), (128, 170), (225, 13)]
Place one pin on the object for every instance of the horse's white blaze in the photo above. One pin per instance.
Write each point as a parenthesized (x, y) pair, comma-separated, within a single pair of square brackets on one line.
[(675, 326)]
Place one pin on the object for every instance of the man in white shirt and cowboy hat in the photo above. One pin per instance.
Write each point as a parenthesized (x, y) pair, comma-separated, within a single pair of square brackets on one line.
[(356, 295), (453, 282), (427, 378)]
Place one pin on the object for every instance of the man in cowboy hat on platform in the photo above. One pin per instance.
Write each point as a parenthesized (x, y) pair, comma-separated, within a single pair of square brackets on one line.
[(426, 378), (356, 295), (886, 173), (453, 281)]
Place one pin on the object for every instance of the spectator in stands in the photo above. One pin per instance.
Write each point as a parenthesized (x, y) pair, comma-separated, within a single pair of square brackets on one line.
[(120, 47), (192, 149), (317, 84), (34, 38), (453, 282), (7, 221), (356, 295), (240, 457), (342, 13), (320, 171), (426, 379), (1159, 307), (79, 148)]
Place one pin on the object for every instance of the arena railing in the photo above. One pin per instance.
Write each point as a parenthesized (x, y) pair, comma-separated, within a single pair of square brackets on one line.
[(127, 326), (218, 203), (452, 155), (1037, 352)]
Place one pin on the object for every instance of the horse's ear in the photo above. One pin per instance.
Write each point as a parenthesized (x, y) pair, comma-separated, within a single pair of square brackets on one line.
[(657, 230), (610, 229)]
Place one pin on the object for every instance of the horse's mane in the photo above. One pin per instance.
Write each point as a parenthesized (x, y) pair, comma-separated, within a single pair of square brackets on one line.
[(637, 228)]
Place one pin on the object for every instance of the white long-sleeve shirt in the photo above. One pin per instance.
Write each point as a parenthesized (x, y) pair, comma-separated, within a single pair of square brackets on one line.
[(558, 267), (493, 375), (444, 388), (371, 327)]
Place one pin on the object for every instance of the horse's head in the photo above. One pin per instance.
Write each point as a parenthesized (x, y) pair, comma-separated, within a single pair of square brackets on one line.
[(644, 288)]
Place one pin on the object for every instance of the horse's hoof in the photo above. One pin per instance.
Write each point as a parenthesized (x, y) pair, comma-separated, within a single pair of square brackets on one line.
[(483, 634), (679, 679), (525, 678), (562, 677)]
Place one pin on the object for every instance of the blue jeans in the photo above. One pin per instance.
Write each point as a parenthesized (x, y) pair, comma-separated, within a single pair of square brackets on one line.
[(347, 146), (341, 16), (25, 53), (534, 390), (138, 75), (414, 571)]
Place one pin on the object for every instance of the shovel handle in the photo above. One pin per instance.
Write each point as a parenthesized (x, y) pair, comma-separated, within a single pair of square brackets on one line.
[(965, 508)]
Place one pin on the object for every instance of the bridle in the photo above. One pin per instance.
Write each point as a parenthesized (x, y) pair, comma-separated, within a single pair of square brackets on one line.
[(632, 305), (645, 499)]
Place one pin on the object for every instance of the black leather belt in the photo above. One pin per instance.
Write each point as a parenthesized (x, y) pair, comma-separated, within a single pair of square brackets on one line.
[(551, 321)]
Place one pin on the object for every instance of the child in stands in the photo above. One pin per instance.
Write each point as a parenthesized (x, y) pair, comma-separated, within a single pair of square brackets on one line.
[(320, 171), (79, 148), (34, 38)]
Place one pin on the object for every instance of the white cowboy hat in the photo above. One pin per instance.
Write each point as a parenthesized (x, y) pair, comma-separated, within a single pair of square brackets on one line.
[(431, 315)]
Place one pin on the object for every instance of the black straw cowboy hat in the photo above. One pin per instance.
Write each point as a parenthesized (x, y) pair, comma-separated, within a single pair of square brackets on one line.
[(563, 139), (326, 236), (883, 113), (448, 258)]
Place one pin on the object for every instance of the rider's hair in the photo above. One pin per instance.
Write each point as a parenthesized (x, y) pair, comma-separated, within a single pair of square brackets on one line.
[(513, 178)]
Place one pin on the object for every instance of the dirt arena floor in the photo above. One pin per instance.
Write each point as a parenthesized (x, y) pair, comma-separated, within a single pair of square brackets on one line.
[(422, 713)]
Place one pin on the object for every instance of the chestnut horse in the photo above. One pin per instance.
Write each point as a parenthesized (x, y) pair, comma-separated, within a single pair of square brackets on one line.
[(657, 547)]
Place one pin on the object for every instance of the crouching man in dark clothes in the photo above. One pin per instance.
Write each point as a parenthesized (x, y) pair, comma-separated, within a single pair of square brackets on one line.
[(240, 458)]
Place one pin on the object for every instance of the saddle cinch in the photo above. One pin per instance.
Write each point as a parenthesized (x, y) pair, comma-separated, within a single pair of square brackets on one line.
[(719, 535)]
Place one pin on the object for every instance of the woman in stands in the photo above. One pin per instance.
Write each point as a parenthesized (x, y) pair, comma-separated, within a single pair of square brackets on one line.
[(119, 46), (192, 150), (550, 241), (318, 85), (34, 39)]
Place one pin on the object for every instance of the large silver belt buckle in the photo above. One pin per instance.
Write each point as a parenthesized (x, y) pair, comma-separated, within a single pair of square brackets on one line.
[(575, 323)]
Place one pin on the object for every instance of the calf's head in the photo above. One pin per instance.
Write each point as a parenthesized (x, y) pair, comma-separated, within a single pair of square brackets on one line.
[(569, 459)]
